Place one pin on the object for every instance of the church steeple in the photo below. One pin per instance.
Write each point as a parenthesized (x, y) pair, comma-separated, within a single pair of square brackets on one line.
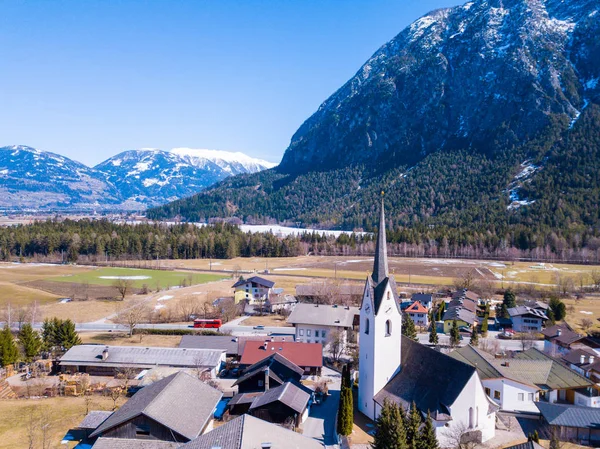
[(380, 267)]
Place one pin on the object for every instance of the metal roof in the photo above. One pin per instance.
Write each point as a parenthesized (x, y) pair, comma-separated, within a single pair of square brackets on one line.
[(527, 311), (226, 343), (570, 415), (459, 313), (128, 443), (137, 356), (248, 432), (93, 419), (180, 402), (288, 394), (323, 315)]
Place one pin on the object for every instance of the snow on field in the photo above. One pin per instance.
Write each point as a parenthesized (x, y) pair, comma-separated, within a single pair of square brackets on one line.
[(126, 278), (357, 260), (497, 265), (65, 300), (585, 312), (158, 307), (165, 298)]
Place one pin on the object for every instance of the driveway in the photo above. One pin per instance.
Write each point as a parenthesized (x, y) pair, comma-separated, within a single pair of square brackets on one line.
[(320, 423)]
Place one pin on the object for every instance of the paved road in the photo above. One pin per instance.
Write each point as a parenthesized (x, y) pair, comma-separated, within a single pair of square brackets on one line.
[(506, 345), (320, 423)]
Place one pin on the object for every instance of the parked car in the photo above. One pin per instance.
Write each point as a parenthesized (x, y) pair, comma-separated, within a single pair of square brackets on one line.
[(259, 327)]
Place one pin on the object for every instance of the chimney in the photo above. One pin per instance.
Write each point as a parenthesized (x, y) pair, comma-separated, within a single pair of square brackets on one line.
[(105, 353), (582, 359), (507, 364), (267, 379), (558, 332)]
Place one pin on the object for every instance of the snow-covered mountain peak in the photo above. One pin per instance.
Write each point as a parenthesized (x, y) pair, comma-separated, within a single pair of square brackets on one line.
[(223, 158)]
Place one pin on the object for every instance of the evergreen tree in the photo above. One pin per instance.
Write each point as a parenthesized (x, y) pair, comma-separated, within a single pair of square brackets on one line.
[(427, 438), (433, 336), (551, 317), (67, 335), (454, 334), (30, 341), (413, 425), (441, 310), (535, 437), (389, 428), (558, 308), (50, 333), (474, 341), (484, 325), (408, 327), (345, 417), (9, 352), (510, 300)]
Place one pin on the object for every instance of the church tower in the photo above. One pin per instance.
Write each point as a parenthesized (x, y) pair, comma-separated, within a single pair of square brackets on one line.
[(380, 328)]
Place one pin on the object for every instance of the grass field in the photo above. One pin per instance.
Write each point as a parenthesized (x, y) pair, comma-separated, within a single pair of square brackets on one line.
[(151, 278), (122, 339), (63, 413)]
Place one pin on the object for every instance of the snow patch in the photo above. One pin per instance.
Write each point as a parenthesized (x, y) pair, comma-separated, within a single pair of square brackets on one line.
[(592, 83), (165, 298), (125, 278)]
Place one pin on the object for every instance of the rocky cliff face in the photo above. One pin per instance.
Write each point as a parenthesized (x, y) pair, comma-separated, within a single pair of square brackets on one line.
[(485, 76)]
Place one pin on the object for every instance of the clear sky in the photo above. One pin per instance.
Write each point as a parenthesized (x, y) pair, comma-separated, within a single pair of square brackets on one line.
[(88, 79)]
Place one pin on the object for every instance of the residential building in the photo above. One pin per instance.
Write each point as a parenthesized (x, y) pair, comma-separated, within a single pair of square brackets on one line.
[(233, 346), (108, 360), (418, 313), (177, 408), (464, 318), (280, 303), (317, 323), (571, 423), (424, 298), (272, 371), (398, 369), (248, 432), (516, 384), (526, 319), (254, 289), (308, 356), (538, 305), (560, 339), (585, 361), (466, 294)]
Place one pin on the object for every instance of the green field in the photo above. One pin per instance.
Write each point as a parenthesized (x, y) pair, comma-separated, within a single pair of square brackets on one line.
[(152, 278)]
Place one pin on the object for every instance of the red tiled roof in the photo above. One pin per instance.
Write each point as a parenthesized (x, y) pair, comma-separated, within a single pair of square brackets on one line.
[(302, 354), (416, 307)]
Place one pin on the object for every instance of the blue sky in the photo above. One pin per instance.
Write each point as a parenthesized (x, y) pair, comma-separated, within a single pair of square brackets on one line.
[(88, 79)]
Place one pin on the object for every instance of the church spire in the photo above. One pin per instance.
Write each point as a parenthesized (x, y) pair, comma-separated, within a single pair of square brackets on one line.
[(380, 267)]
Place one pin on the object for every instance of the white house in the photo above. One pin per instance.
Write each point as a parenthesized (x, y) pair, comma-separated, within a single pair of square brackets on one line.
[(398, 369), (317, 323), (254, 289), (527, 319), (516, 384), (418, 313)]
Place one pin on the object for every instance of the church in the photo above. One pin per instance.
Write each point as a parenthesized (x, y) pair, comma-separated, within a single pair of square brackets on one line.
[(396, 368)]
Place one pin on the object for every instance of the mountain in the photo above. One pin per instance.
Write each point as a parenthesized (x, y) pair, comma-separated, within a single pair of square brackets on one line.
[(132, 180), (483, 116)]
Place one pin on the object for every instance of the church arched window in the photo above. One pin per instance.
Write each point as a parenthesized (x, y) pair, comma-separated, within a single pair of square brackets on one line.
[(388, 328), (471, 418), (366, 326)]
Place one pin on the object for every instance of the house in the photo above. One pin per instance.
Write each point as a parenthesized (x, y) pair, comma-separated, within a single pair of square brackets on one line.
[(560, 339), (516, 384), (253, 290), (463, 317), (318, 323), (248, 432), (466, 294), (177, 408), (101, 360), (526, 319), (424, 298), (280, 303), (308, 356), (538, 305), (572, 423), (83, 430), (286, 404), (272, 371), (418, 313), (585, 361), (400, 370)]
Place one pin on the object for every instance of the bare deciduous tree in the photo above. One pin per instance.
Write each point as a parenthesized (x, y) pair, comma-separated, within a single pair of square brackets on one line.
[(123, 286), (336, 343), (586, 324), (132, 316), (188, 306), (527, 339)]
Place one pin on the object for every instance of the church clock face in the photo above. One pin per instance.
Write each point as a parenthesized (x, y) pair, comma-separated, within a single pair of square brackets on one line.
[(368, 308)]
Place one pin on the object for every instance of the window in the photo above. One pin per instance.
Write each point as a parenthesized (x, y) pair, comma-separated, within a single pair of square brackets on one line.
[(323, 334), (317, 334), (496, 394), (261, 383), (308, 332), (488, 391), (142, 431), (530, 397), (301, 332), (367, 326), (388, 328), (521, 397), (471, 418), (389, 295)]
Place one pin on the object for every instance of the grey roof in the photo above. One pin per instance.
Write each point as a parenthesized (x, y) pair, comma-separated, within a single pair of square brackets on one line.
[(270, 362), (281, 299), (429, 378), (140, 357), (126, 443), (244, 398), (248, 432), (531, 367), (249, 374), (379, 292), (527, 445), (380, 265), (423, 298), (93, 419), (323, 315), (257, 280), (537, 305), (180, 402), (288, 393), (526, 311), (570, 415), (566, 337), (226, 343), (459, 313)]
